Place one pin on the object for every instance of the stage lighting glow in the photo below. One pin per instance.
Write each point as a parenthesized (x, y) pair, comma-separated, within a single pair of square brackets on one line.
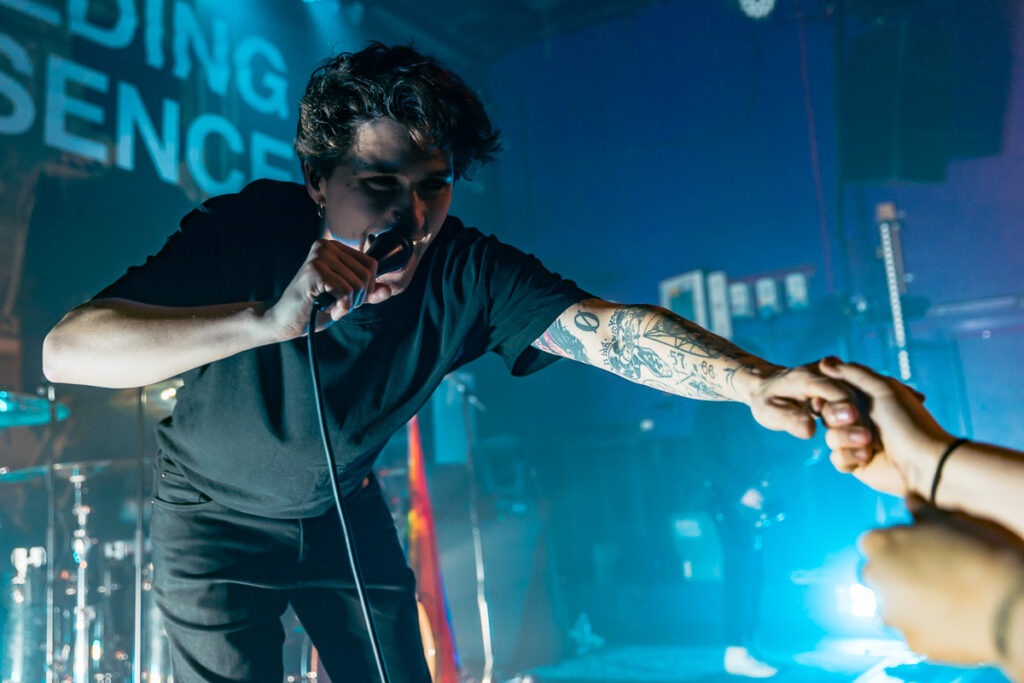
[(335, 23), (861, 601), (688, 528), (757, 9)]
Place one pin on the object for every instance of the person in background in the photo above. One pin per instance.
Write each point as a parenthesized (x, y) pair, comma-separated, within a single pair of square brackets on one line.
[(742, 467)]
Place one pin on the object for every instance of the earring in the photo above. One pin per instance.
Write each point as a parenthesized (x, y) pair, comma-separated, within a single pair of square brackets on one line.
[(320, 211)]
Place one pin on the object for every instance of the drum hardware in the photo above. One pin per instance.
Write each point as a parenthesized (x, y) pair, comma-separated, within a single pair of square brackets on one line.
[(25, 410), (22, 559), (25, 637), (88, 612), (63, 470), (51, 537), (156, 400), (302, 663), (22, 410), (93, 602), (85, 614), (168, 396)]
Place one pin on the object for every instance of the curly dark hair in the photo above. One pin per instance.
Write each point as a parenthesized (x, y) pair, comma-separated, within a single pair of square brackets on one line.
[(398, 83)]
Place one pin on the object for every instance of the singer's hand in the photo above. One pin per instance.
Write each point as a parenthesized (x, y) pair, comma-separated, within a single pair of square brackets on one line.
[(330, 267), (788, 399)]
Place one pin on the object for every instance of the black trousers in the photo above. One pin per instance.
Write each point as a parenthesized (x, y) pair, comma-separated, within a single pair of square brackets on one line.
[(224, 578), (742, 572)]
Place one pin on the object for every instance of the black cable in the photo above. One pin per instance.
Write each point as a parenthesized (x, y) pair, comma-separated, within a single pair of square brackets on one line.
[(353, 560)]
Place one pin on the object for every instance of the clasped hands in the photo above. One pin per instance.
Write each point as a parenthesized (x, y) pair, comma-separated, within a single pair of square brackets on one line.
[(952, 581)]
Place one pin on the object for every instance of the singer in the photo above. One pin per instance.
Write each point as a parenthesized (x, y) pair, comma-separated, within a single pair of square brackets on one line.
[(243, 522)]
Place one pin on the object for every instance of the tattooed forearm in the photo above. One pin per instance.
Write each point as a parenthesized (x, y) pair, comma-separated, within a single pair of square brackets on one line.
[(701, 389), (561, 342), (624, 352), (689, 339), (702, 382), (654, 347), (659, 349)]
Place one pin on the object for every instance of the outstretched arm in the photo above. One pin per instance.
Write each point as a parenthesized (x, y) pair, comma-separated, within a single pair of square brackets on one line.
[(655, 347)]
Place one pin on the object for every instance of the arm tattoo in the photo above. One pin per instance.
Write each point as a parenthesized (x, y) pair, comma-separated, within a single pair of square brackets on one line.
[(586, 321), (624, 353), (691, 378), (700, 386), (707, 369), (678, 356), (561, 342), (670, 332)]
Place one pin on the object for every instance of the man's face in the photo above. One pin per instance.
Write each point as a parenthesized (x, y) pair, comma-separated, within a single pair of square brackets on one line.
[(387, 182)]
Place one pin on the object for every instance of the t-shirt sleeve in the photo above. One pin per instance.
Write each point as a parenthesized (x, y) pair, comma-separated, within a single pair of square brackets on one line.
[(525, 298), (189, 270)]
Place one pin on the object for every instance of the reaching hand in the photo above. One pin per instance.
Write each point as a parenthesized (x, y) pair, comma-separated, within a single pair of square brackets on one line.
[(941, 587), (899, 457), (790, 399)]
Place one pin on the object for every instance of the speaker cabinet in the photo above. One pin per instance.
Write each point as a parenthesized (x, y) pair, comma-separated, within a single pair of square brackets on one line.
[(896, 104)]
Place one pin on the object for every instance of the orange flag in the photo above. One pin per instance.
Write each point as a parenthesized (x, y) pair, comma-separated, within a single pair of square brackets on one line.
[(435, 622)]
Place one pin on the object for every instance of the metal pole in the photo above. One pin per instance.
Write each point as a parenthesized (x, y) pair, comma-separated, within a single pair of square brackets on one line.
[(486, 631), (140, 541), (51, 535), (83, 613)]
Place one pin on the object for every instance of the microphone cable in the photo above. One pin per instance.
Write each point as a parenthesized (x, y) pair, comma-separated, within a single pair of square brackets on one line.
[(339, 503), (392, 250)]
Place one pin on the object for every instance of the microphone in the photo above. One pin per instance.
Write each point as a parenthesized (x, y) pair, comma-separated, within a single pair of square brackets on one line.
[(391, 249)]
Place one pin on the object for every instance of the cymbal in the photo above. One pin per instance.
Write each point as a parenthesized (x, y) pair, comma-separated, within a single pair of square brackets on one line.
[(158, 399), (21, 410), (64, 470)]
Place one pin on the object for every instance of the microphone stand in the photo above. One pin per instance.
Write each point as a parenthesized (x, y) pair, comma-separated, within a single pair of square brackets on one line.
[(469, 400)]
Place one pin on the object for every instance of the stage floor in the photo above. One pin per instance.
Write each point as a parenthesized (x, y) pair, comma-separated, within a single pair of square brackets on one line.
[(832, 661)]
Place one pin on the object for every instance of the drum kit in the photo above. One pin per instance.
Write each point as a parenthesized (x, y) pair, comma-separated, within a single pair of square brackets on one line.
[(78, 605)]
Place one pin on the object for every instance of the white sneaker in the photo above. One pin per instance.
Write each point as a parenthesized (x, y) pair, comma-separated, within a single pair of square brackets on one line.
[(739, 662)]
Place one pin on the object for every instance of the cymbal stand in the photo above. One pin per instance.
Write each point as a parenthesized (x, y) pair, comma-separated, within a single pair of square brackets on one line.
[(22, 644), (140, 539), (51, 537), (83, 613)]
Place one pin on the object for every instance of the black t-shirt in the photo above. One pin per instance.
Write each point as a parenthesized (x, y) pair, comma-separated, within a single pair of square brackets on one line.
[(244, 429)]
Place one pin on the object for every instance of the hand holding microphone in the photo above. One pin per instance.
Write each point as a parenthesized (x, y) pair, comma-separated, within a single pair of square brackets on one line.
[(391, 249), (347, 268)]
